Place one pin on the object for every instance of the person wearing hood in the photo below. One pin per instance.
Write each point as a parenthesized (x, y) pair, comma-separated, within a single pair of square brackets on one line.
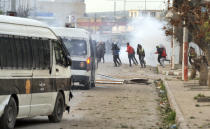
[(103, 50), (115, 52), (118, 55), (141, 54)]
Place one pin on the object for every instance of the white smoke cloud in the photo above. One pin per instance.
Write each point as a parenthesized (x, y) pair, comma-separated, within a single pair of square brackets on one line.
[(149, 33)]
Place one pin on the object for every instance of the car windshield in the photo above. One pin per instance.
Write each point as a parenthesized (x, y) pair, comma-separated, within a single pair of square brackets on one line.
[(76, 47)]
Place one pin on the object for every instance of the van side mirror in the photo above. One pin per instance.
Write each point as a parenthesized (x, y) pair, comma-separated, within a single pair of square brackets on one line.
[(69, 61)]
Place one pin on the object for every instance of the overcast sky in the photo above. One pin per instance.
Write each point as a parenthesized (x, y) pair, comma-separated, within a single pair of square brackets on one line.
[(108, 5)]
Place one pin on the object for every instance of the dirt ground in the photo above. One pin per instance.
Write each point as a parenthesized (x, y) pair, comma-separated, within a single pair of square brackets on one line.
[(109, 106)]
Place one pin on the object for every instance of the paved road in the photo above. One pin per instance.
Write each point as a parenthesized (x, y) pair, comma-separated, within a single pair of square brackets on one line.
[(109, 106)]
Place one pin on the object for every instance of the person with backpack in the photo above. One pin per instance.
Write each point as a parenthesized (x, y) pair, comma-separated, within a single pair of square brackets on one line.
[(159, 52), (163, 56), (141, 54)]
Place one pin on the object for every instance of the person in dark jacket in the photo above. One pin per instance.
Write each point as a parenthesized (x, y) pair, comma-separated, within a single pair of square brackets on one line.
[(141, 53), (118, 55), (159, 52), (163, 57), (103, 50), (192, 55), (115, 52)]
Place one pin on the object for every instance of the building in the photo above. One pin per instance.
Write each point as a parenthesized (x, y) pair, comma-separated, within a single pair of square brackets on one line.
[(113, 26), (5, 5), (21, 7), (142, 13), (58, 12), (109, 22)]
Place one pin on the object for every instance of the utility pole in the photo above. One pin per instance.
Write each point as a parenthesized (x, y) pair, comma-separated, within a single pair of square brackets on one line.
[(185, 53), (0, 5), (115, 4), (145, 5), (95, 21), (124, 8)]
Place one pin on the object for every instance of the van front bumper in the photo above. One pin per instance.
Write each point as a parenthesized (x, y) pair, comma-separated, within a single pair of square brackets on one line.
[(80, 78)]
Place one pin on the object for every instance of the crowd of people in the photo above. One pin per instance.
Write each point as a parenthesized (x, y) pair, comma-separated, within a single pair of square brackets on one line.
[(160, 51), (101, 50), (131, 55)]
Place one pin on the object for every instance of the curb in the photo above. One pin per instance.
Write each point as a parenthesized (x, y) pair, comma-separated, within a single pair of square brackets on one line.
[(180, 121), (169, 72), (109, 82)]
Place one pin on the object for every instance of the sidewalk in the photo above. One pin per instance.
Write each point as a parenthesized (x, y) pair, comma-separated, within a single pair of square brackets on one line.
[(190, 113)]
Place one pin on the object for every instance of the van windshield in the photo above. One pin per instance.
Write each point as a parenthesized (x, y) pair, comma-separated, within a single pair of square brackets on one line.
[(76, 47)]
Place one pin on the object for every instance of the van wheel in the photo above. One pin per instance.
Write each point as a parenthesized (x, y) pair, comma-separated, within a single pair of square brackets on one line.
[(8, 119), (93, 84), (57, 114), (88, 85)]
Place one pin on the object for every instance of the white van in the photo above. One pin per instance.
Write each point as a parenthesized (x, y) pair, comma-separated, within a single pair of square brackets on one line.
[(81, 49), (34, 72)]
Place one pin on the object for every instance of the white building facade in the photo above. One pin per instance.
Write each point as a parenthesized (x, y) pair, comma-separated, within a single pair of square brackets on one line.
[(58, 12), (53, 12)]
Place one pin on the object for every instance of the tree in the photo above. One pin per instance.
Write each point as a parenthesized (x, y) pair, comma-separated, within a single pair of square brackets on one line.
[(196, 14)]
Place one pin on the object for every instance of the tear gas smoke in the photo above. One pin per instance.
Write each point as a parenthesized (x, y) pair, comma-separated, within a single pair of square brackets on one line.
[(149, 33)]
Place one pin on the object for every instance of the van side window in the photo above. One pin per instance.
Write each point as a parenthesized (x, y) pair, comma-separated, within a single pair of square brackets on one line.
[(41, 53), (17, 52), (59, 55)]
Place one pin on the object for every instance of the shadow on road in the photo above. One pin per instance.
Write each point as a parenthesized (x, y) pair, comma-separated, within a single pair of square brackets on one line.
[(23, 123), (78, 87)]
